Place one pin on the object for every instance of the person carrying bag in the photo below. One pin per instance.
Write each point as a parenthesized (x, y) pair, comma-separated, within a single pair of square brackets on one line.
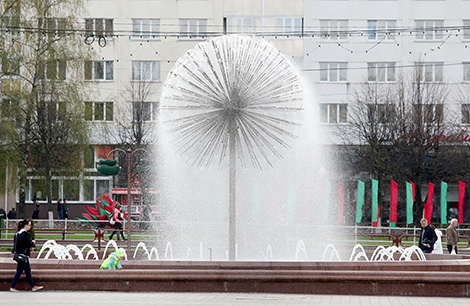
[(118, 219), (22, 249)]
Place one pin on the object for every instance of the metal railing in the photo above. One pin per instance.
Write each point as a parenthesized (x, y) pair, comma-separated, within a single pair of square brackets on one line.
[(75, 231)]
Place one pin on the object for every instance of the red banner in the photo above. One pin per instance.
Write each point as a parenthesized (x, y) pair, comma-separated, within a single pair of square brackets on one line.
[(461, 198), (429, 203), (340, 202), (393, 201), (374, 224)]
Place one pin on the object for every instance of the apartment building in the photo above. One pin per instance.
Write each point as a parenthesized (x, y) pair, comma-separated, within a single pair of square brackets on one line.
[(351, 42), (348, 43), (140, 41), (336, 44)]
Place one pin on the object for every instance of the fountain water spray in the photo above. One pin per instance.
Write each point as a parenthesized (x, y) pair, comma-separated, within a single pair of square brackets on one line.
[(233, 95)]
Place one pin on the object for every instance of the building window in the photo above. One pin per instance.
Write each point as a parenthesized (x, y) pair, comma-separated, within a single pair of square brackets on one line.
[(9, 109), (92, 189), (381, 72), (465, 113), (333, 113), (381, 29), (99, 27), (87, 189), (145, 70), (193, 28), (52, 70), (466, 71), (466, 29), (10, 85), (99, 111), (381, 113), (245, 24), (333, 72), (52, 27), (99, 70), (145, 111), (430, 113), (431, 72), (56, 110), (429, 29), (89, 157), (334, 29), (145, 28), (288, 26), (12, 23), (10, 65)]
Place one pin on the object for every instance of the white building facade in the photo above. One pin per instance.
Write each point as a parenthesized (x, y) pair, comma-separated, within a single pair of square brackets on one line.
[(336, 44)]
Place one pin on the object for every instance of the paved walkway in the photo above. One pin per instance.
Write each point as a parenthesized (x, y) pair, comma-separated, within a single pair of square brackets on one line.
[(80, 298)]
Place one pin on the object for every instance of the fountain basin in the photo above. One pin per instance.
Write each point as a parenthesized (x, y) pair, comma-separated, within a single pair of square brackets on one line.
[(418, 278)]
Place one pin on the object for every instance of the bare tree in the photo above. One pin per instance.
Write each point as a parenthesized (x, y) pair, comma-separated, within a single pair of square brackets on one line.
[(397, 130), (136, 122), (135, 116)]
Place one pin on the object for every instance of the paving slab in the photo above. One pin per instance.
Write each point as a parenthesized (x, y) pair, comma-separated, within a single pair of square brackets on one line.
[(80, 298)]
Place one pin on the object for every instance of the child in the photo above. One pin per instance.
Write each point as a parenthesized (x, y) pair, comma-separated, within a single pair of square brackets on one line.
[(113, 261)]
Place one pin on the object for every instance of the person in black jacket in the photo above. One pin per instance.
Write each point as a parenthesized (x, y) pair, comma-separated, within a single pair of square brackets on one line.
[(12, 214), (23, 245), (427, 238), (35, 209)]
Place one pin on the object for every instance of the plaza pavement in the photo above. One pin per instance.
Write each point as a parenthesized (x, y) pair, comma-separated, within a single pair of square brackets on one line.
[(105, 298)]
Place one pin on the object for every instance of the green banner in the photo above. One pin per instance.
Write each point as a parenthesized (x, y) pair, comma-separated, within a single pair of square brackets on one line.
[(375, 199), (443, 202), (359, 200), (409, 203)]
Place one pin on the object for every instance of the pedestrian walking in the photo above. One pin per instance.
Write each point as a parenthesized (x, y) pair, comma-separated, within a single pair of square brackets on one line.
[(22, 247), (35, 215), (118, 218), (428, 237), (452, 238), (60, 209)]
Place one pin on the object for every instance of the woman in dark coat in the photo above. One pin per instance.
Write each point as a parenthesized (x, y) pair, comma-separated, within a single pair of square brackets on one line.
[(23, 245)]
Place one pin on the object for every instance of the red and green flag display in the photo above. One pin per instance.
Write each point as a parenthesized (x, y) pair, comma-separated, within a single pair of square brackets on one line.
[(375, 200), (340, 202), (428, 205), (376, 223), (461, 198), (443, 202), (359, 200), (393, 203), (410, 198)]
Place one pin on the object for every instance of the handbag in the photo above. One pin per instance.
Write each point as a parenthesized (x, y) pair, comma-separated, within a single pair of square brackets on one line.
[(112, 221), (20, 258)]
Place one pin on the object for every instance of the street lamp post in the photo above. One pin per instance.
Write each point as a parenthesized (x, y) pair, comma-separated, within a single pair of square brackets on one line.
[(129, 153)]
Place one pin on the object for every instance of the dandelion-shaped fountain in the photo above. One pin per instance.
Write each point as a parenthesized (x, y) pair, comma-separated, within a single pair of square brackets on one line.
[(232, 98)]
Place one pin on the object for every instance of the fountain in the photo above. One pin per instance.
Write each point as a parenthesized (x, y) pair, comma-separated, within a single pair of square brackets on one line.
[(248, 153), (381, 253), (249, 172), (333, 253), (63, 252)]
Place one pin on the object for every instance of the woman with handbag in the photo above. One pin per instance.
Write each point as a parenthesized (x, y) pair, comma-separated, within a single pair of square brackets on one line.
[(21, 249), (118, 218)]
